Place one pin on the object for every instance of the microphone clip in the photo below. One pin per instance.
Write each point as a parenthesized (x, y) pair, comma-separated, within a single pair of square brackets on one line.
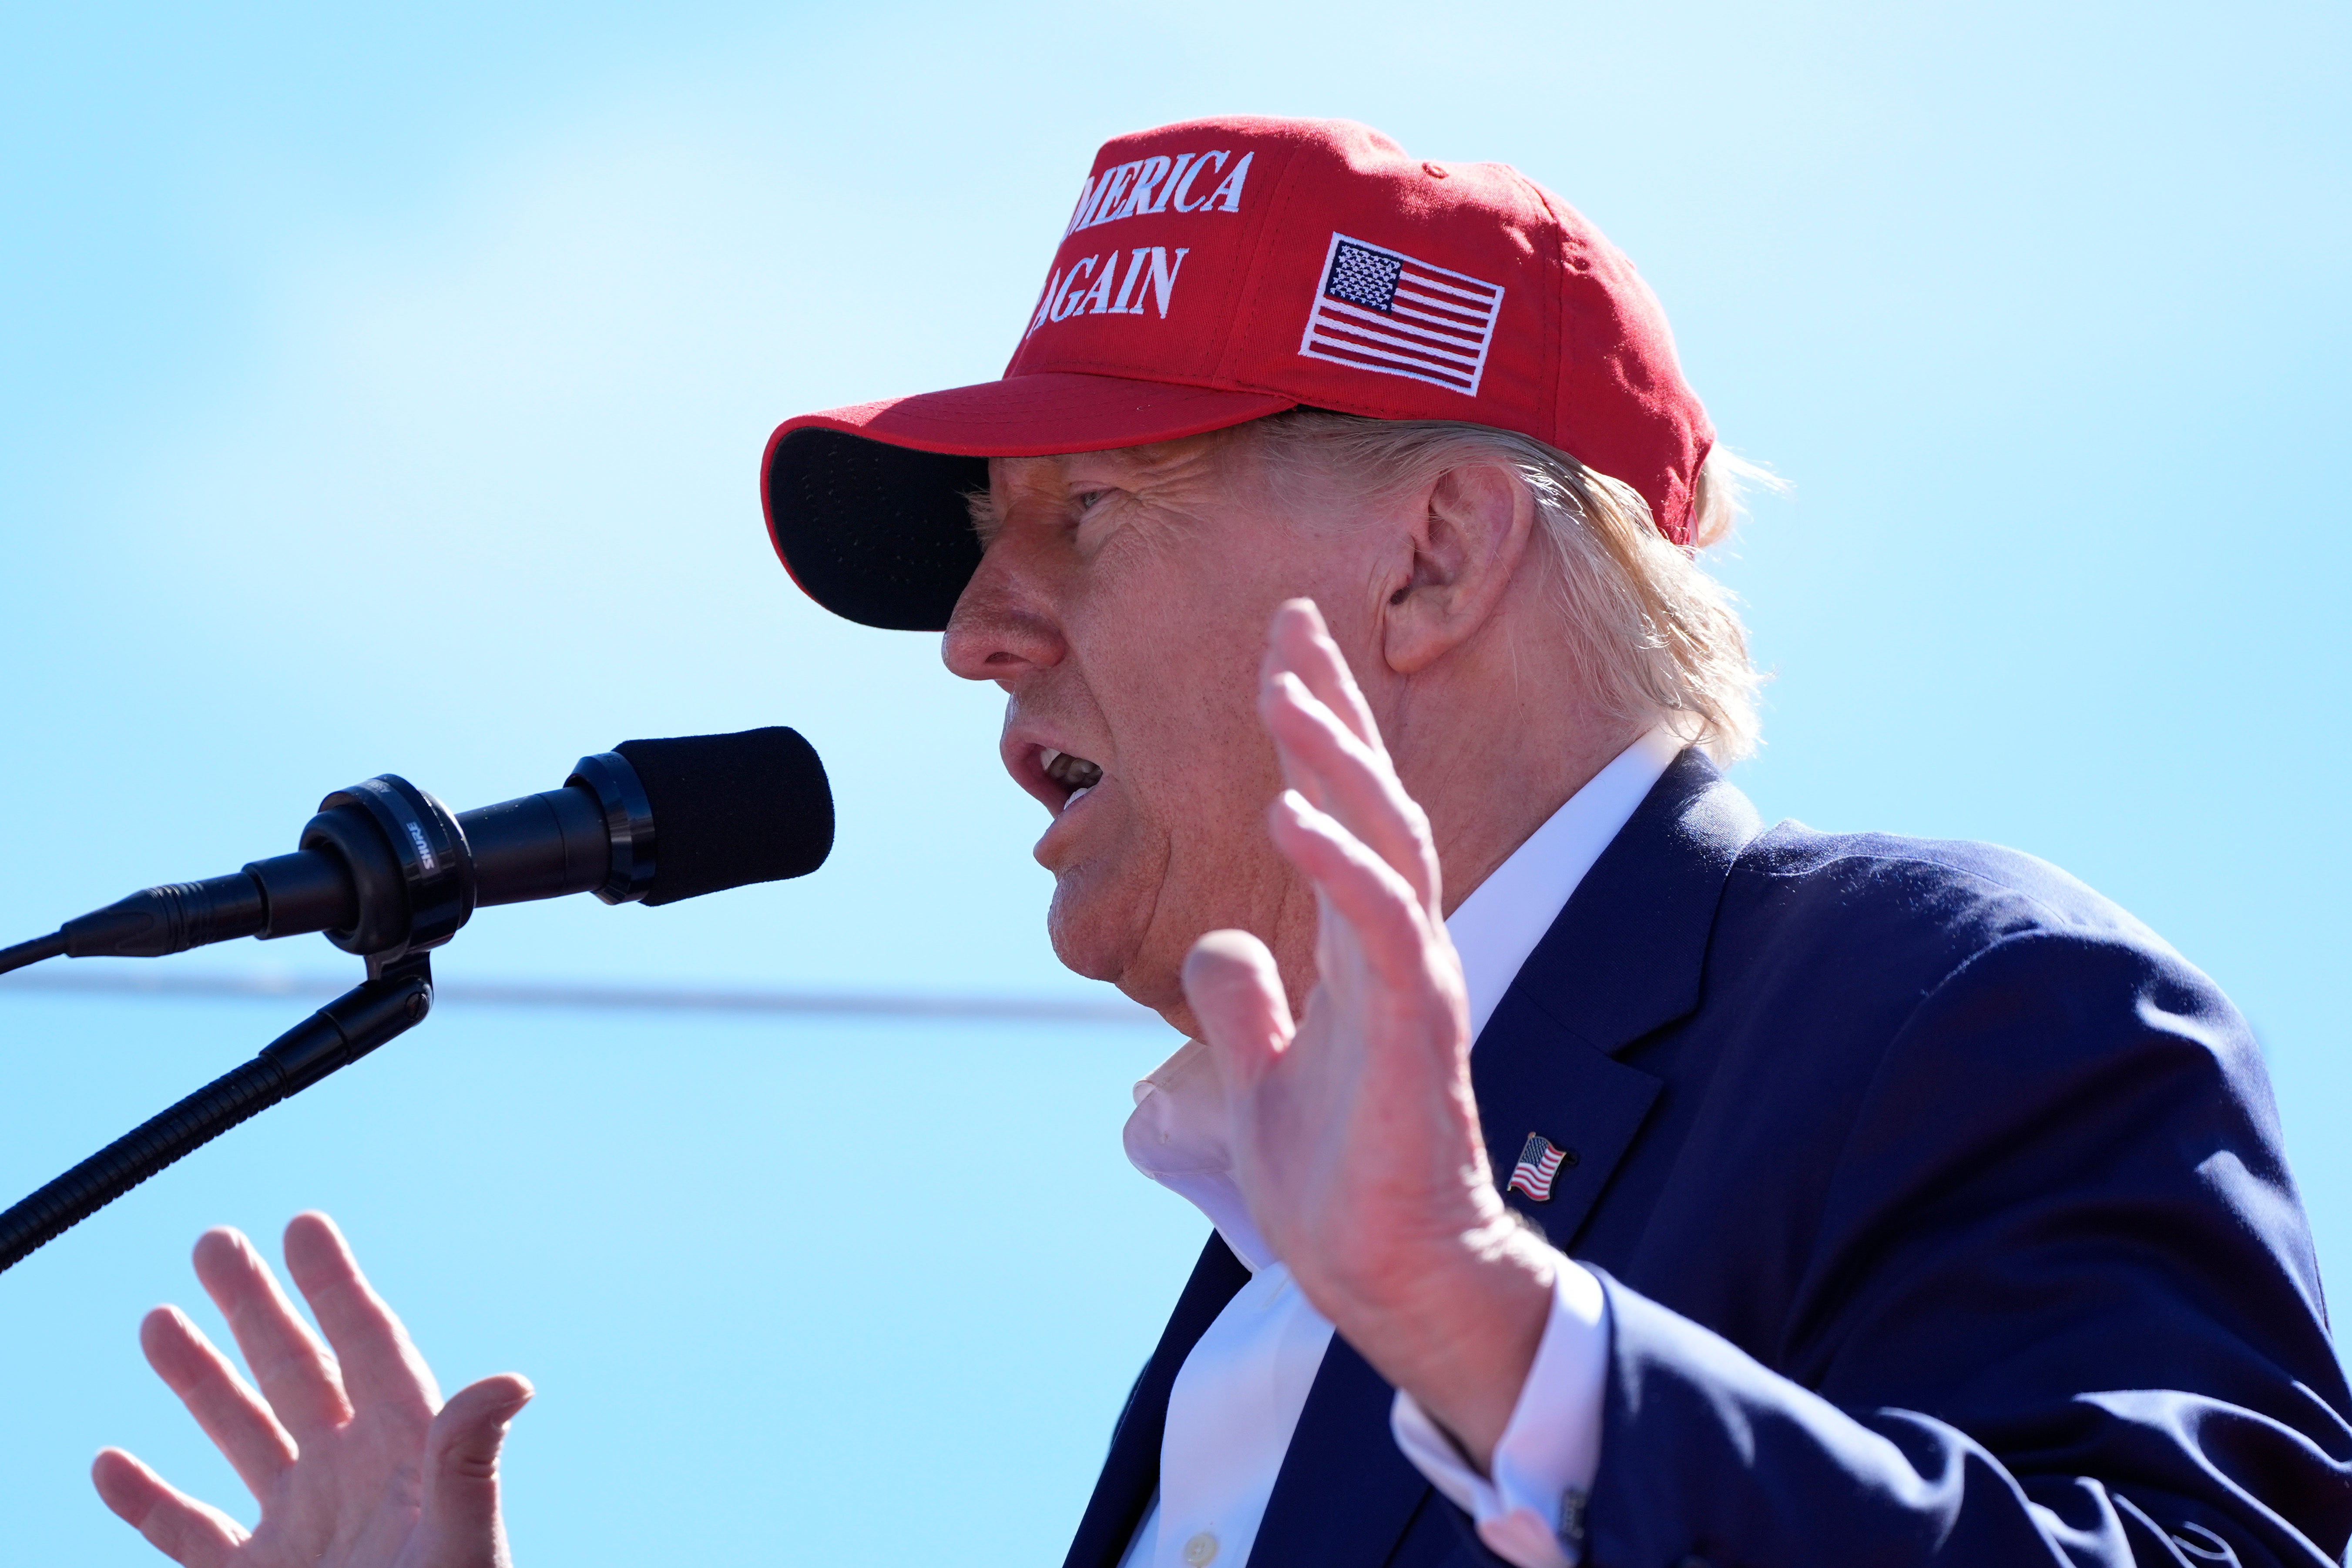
[(412, 870)]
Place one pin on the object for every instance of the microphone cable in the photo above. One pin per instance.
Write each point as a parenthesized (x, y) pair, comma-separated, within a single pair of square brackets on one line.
[(53, 945)]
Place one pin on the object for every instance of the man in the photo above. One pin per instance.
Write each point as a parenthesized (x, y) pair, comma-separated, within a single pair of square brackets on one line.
[(1596, 1176)]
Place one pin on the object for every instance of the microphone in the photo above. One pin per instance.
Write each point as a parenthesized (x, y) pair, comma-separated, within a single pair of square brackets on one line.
[(385, 869)]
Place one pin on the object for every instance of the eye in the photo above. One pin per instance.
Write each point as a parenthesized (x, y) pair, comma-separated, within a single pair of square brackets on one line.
[(1087, 500)]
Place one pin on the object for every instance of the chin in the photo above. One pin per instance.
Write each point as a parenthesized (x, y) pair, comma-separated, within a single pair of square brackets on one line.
[(1100, 931)]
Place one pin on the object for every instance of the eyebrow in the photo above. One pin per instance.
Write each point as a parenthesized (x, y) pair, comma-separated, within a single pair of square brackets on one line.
[(986, 518)]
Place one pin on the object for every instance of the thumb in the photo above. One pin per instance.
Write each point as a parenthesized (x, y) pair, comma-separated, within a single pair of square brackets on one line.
[(459, 1518), (1236, 991)]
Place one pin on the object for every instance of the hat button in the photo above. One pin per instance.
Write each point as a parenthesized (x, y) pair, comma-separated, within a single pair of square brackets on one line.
[(1434, 170)]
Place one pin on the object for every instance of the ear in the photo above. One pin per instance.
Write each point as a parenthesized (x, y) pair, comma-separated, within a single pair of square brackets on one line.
[(1468, 543)]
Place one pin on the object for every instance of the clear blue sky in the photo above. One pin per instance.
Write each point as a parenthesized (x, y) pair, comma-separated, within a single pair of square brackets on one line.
[(385, 390)]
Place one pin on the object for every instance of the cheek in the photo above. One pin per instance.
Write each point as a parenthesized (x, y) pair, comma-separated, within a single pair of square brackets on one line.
[(1183, 715), (1172, 657), (1169, 632)]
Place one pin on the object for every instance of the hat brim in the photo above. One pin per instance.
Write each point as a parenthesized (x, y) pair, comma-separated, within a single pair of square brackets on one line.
[(866, 505)]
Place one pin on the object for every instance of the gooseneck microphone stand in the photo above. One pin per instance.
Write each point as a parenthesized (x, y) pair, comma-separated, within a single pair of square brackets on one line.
[(410, 885), (394, 998)]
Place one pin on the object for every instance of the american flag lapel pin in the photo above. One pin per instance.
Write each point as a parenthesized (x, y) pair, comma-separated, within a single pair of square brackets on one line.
[(1538, 1162)]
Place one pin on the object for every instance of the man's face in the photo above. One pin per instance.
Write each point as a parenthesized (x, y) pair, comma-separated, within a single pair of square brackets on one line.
[(1122, 603)]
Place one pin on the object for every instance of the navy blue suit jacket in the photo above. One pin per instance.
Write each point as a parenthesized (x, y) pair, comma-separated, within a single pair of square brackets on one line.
[(1941, 1212)]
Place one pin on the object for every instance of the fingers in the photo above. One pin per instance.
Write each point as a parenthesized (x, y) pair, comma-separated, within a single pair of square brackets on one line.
[(1341, 776), (231, 1414), (187, 1532), (1298, 642), (296, 1375), (461, 1515), (379, 1363), (1384, 911), (1235, 992), (1330, 749)]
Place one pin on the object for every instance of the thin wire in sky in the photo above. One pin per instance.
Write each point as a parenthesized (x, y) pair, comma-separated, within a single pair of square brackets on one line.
[(633, 999)]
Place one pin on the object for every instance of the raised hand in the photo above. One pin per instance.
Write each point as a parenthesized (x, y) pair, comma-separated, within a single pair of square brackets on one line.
[(1355, 1133), (355, 1461)]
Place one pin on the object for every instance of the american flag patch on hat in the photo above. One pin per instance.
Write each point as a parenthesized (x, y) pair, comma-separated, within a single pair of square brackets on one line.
[(1538, 1162), (1382, 311)]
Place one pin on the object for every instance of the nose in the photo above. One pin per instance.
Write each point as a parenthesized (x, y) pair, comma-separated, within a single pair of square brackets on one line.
[(1003, 626)]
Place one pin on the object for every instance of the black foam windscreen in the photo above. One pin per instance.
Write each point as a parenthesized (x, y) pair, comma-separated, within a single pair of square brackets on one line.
[(730, 810)]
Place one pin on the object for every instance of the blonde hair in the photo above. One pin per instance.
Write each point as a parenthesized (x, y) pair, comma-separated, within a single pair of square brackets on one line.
[(1654, 637)]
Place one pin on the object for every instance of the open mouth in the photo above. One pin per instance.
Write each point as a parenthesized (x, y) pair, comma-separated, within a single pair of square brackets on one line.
[(1074, 775)]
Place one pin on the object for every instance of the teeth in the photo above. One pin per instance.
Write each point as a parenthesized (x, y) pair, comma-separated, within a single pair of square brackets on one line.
[(1077, 795), (1074, 771)]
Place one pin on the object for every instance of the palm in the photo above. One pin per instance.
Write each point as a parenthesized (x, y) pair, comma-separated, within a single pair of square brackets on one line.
[(360, 1486), (347, 1446)]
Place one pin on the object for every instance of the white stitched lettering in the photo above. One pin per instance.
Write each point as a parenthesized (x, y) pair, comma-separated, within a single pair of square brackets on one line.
[(1045, 302), (1163, 277), (1114, 189), (1184, 186), (1230, 193), (1085, 198), (1066, 306), (1147, 181), (1098, 300), (1173, 175), (1134, 276)]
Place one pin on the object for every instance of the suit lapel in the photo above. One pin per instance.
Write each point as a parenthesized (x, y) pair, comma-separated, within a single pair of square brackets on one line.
[(1131, 1470), (1621, 959), (1625, 956), (1534, 1076)]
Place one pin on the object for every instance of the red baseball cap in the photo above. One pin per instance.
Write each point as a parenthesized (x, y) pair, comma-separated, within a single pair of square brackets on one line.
[(1221, 270)]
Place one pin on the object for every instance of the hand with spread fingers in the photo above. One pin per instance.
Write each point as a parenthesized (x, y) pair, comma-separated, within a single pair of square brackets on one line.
[(353, 1458), (1355, 1133)]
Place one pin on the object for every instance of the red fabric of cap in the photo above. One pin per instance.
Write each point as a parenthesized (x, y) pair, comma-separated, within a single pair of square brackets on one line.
[(1044, 413), (1220, 270)]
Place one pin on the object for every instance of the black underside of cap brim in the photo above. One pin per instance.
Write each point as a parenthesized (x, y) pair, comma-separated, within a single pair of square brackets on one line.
[(877, 534)]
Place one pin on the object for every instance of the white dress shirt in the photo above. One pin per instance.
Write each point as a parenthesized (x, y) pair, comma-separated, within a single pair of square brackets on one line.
[(1237, 1398)]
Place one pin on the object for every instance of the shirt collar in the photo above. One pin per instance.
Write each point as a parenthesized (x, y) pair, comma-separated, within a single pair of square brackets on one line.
[(1499, 923), (1178, 1134)]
